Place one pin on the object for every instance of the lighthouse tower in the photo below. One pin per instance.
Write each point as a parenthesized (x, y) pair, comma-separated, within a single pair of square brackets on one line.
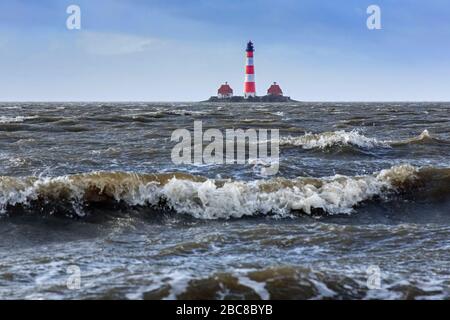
[(249, 85)]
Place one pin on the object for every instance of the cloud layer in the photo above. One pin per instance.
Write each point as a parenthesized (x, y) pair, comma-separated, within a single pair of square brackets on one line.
[(100, 43)]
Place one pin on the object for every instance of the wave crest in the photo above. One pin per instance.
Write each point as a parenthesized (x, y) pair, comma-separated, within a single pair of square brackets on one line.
[(424, 138), (329, 139), (352, 138), (214, 199)]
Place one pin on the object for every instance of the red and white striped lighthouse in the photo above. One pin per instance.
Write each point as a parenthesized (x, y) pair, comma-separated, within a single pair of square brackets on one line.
[(249, 85)]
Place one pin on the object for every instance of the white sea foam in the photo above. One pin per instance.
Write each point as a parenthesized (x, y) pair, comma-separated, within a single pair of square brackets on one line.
[(16, 119), (258, 287), (334, 195)]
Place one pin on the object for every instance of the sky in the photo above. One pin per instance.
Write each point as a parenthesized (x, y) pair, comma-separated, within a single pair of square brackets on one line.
[(182, 50)]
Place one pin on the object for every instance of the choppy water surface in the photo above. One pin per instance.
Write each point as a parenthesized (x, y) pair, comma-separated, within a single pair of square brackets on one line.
[(93, 185)]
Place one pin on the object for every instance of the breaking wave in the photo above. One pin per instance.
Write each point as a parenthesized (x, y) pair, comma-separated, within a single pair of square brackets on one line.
[(354, 138), (330, 139), (215, 199)]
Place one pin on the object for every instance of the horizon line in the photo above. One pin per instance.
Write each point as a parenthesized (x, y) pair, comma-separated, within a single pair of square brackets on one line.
[(204, 101)]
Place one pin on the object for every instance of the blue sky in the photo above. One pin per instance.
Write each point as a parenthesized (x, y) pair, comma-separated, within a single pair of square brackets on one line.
[(171, 50)]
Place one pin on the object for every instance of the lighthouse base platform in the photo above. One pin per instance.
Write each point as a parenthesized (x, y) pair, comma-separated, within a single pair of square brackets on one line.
[(268, 98)]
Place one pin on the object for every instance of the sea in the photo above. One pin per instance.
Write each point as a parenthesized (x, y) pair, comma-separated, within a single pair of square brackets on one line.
[(93, 207)]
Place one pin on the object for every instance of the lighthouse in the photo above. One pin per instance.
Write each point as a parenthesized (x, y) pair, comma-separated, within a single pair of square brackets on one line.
[(249, 85)]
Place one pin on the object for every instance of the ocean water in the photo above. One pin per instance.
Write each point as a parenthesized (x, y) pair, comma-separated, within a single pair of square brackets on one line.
[(88, 192)]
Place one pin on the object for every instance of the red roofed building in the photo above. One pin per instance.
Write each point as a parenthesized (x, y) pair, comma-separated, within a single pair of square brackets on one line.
[(224, 91), (274, 90)]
